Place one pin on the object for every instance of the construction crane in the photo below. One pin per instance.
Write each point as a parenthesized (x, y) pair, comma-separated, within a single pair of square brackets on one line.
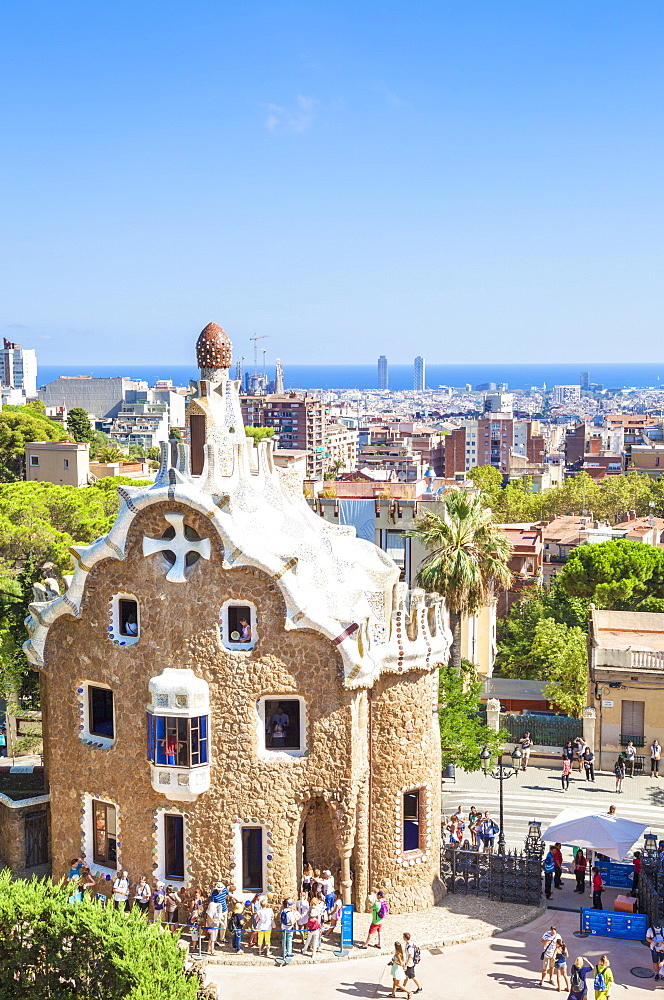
[(263, 337)]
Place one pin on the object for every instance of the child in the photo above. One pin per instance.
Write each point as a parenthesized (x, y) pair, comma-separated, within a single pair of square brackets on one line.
[(335, 914)]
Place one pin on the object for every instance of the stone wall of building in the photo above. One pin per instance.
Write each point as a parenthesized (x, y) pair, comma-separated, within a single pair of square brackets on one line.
[(327, 789), (405, 756)]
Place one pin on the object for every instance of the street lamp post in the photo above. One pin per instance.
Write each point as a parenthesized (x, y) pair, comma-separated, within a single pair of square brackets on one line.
[(501, 773)]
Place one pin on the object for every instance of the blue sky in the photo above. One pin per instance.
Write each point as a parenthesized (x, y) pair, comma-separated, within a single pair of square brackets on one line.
[(470, 181)]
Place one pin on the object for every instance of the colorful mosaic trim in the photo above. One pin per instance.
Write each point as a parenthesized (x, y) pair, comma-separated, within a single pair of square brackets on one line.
[(236, 858), (346, 632), (83, 736), (411, 858), (97, 872), (156, 820)]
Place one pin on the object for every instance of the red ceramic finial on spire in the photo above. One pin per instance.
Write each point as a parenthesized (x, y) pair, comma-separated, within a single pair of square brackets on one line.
[(213, 349)]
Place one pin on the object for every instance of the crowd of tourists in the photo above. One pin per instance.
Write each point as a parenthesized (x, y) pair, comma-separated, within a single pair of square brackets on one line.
[(227, 914), (476, 830)]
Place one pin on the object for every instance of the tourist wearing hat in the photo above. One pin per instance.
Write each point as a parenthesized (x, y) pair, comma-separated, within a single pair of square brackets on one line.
[(236, 924), (158, 902), (219, 900)]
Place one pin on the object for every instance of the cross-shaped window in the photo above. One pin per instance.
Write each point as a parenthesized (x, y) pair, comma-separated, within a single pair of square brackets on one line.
[(180, 545)]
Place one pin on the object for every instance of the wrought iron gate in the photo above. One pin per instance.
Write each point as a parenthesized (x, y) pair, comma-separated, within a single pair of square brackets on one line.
[(510, 878)]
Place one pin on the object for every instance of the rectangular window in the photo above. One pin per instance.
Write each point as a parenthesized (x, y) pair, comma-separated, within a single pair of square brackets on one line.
[(252, 859), (100, 711), (411, 821), (66, 463), (34, 460), (631, 721), (282, 724), (239, 623), (36, 840), (127, 616), (197, 443), (104, 850), (174, 842), (177, 742)]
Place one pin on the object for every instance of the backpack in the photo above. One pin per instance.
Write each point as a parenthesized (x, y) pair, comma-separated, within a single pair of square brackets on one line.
[(417, 955), (384, 910), (576, 980), (599, 983)]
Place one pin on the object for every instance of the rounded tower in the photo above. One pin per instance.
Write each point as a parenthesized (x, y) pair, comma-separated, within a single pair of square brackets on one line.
[(214, 353)]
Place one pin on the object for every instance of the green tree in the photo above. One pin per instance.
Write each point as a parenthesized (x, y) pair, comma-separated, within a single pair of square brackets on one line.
[(18, 425), (175, 434), (258, 433), (561, 656), (462, 733), (467, 558), (98, 440), (620, 575), (78, 424), (516, 632), (37, 406), (54, 949)]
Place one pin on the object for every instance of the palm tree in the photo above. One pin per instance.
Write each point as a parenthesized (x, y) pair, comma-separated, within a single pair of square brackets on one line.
[(111, 454), (467, 558)]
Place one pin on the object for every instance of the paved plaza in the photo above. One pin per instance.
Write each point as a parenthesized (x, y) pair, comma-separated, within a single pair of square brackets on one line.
[(501, 966)]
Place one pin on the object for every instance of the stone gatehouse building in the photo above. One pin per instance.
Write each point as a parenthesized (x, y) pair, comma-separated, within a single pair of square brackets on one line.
[(232, 686)]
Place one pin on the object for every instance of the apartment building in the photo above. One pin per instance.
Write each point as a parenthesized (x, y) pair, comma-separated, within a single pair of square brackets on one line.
[(388, 449), (299, 421), (143, 424), (341, 445), (488, 440), (19, 374)]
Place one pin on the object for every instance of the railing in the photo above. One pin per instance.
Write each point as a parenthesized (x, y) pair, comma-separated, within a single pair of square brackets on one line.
[(509, 878), (650, 900), (638, 741), (545, 730)]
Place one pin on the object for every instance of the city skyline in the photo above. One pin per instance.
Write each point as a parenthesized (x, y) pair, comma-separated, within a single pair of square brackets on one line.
[(486, 178)]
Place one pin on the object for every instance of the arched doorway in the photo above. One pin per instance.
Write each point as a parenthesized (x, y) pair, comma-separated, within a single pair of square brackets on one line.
[(316, 843)]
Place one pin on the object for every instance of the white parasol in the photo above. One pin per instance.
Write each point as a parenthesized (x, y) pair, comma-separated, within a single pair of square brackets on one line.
[(609, 835)]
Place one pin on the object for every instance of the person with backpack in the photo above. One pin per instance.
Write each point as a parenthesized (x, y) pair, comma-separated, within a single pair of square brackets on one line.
[(288, 919), (619, 771), (603, 980), (413, 955), (379, 911), (655, 941), (578, 984)]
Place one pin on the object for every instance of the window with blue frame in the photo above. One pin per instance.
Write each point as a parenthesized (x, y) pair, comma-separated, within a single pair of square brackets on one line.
[(177, 742), (411, 821)]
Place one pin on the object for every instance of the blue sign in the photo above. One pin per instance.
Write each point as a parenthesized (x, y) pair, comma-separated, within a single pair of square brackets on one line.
[(347, 926), (616, 875), (606, 923)]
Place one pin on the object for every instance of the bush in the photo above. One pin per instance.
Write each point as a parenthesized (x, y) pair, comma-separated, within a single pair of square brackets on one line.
[(52, 949)]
